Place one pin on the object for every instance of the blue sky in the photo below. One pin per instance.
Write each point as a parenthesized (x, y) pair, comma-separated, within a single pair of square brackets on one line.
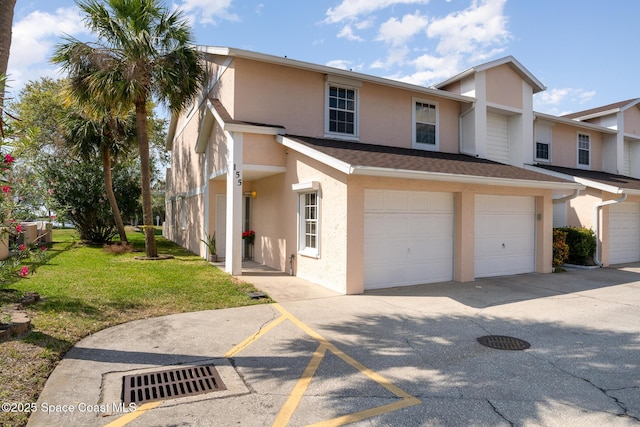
[(584, 51)]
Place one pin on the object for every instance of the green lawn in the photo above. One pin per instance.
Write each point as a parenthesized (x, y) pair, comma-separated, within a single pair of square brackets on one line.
[(87, 288)]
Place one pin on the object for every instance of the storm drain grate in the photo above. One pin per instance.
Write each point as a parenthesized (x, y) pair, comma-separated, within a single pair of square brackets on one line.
[(171, 384), (501, 342)]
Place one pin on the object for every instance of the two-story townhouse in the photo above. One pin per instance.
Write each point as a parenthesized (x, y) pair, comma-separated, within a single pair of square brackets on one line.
[(600, 149), (357, 182)]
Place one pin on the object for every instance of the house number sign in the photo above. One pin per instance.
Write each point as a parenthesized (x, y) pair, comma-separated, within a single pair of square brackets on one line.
[(238, 176)]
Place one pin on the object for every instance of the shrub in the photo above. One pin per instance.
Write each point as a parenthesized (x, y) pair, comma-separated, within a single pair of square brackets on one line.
[(560, 247), (582, 245), (78, 193)]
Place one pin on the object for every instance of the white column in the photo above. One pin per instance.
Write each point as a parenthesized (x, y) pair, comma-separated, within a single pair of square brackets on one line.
[(233, 252)]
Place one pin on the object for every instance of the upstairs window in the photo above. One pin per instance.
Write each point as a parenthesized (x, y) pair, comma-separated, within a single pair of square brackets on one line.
[(542, 134), (584, 150), (342, 109), (425, 125), (542, 151)]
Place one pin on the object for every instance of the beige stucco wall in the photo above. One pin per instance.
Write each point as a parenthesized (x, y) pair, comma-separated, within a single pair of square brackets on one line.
[(564, 146), (262, 150), (295, 99), (504, 86), (632, 121)]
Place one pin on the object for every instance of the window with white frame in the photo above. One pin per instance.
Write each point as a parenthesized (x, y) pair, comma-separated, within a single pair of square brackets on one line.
[(542, 151), (342, 110), (342, 107), (542, 135), (425, 125), (308, 243), (584, 150)]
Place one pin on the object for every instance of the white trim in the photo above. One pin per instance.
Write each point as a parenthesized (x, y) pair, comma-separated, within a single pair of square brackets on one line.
[(575, 123), (467, 179), (355, 136), (585, 182), (578, 164), (305, 187), (315, 154), (343, 81), (302, 249), (420, 145)]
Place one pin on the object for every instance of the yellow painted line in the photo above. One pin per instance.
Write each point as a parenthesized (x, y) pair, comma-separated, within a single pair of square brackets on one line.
[(368, 413), (359, 366), (126, 419), (300, 389), (238, 348)]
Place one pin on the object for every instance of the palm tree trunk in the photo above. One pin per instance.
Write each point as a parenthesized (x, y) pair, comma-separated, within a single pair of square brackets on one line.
[(108, 184), (6, 21), (145, 175)]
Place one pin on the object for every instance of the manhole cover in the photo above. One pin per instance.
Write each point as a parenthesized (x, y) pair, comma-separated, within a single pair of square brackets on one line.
[(170, 384), (501, 342)]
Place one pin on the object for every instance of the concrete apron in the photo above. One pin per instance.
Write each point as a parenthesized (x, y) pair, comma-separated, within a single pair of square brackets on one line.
[(405, 356)]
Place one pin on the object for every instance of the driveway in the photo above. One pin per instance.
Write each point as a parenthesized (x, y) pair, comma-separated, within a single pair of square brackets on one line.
[(397, 357)]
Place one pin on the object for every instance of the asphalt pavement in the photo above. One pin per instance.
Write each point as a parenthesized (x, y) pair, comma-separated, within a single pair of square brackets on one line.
[(398, 357)]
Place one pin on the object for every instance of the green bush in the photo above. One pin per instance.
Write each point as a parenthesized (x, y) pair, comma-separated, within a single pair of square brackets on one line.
[(560, 247), (582, 245)]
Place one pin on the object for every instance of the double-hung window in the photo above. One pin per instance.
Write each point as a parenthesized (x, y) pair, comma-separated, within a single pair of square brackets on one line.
[(584, 150), (425, 125), (342, 109), (543, 132), (308, 218)]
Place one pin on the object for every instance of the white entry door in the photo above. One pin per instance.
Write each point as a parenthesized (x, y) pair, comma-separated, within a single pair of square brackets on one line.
[(504, 235), (408, 238)]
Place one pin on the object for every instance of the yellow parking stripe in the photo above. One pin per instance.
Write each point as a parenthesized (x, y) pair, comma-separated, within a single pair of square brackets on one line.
[(126, 419), (301, 387), (367, 413), (238, 348)]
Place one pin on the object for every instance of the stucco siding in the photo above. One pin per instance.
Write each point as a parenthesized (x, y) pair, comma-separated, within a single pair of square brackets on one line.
[(504, 87), (632, 121)]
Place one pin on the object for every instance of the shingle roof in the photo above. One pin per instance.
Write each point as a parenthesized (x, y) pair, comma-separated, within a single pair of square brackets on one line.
[(609, 107), (620, 181), (395, 158)]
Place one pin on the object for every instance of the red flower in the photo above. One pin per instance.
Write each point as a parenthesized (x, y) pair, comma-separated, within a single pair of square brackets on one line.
[(19, 228), (8, 158), (22, 247), (24, 271)]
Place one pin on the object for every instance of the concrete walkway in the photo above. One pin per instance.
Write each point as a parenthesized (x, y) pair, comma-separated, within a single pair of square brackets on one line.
[(398, 357)]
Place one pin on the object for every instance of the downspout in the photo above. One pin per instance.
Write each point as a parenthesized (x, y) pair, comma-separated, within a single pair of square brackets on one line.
[(596, 231)]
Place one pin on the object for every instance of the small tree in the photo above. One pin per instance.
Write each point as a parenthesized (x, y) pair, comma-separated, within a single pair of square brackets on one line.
[(78, 192)]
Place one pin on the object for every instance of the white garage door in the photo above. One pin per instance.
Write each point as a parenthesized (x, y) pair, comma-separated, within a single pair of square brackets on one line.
[(504, 235), (408, 238), (624, 233)]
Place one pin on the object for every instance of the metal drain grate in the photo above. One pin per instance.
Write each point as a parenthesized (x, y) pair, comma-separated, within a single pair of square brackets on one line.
[(501, 342), (170, 384)]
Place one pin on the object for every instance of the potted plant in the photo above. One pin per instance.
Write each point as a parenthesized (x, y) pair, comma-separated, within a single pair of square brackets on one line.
[(210, 243)]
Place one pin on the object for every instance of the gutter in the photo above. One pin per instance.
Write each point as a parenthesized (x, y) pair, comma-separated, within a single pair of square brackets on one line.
[(596, 212), (575, 194)]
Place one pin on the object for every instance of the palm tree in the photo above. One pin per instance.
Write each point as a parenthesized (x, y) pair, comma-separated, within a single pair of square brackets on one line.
[(105, 134), (143, 51), (6, 22)]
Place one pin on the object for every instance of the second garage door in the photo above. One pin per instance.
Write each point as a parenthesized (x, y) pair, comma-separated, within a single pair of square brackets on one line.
[(504, 235), (624, 233), (408, 238)]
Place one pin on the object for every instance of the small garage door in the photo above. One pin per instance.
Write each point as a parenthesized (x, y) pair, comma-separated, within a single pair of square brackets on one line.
[(504, 235), (624, 233), (408, 238)]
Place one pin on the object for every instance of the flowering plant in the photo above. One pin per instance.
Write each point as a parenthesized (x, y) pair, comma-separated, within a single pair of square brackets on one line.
[(249, 236)]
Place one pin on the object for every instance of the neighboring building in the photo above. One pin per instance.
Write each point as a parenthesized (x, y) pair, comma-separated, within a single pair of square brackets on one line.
[(357, 182), (600, 149)]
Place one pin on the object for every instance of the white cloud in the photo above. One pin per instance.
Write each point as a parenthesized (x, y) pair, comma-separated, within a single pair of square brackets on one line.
[(207, 11), (397, 32), (481, 26), (549, 100), (340, 63), (347, 33), (34, 37), (352, 9), (395, 57)]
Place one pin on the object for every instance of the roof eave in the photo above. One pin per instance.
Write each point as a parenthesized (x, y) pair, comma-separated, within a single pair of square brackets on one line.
[(262, 57), (573, 122), (586, 182), (465, 179)]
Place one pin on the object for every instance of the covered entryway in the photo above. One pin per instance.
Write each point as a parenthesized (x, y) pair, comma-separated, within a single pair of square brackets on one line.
[(504, 235), (408, 238), (624, 232)]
